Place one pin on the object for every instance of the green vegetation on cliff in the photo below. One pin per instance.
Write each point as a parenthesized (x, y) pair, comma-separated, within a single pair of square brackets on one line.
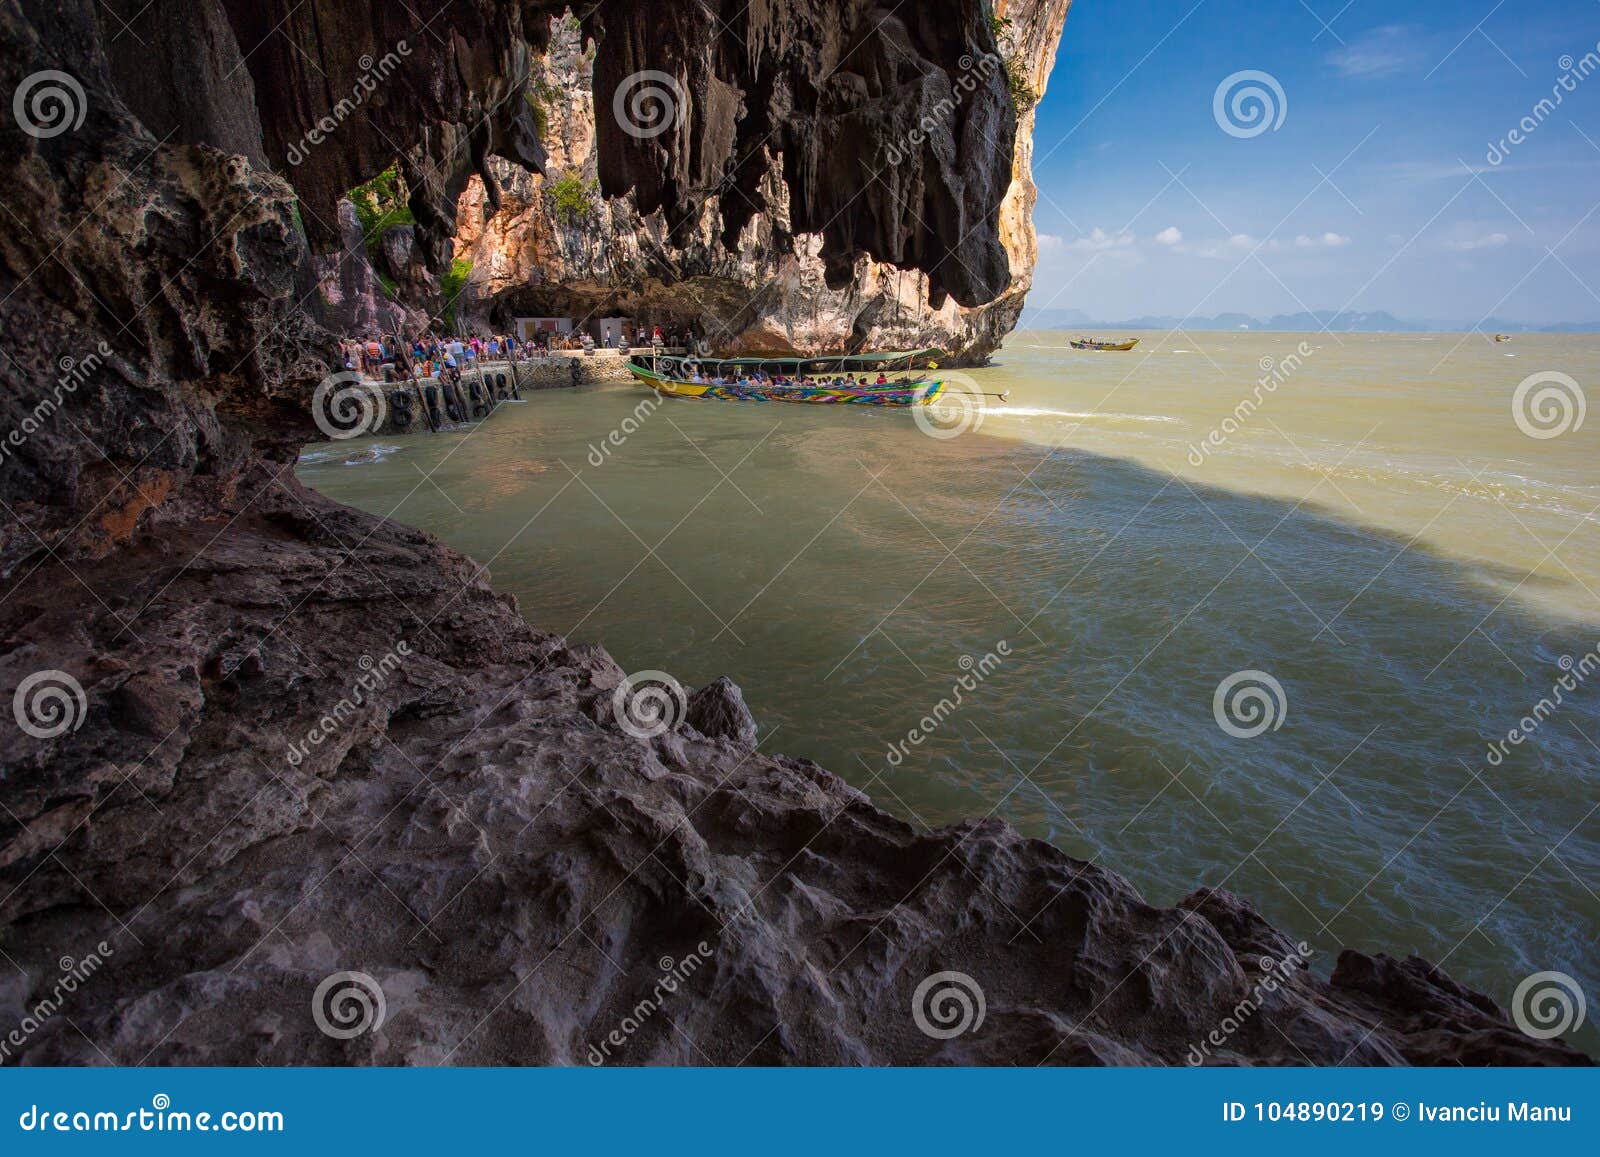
[(381, 203), (1022, 94), (451, 286), (573, 198)]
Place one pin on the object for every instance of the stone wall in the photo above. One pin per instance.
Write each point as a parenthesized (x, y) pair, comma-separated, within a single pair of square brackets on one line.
[(432, 404)]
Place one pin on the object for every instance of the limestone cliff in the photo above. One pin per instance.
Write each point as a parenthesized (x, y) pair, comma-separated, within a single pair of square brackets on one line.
[(264, 742), (754, 280)]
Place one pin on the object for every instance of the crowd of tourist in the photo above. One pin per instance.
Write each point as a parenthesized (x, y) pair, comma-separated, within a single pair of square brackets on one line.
[(430, 357), (391, 359)]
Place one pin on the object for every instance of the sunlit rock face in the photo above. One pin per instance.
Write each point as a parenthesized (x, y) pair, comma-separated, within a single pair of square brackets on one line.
[(814, 174), (770, 260)]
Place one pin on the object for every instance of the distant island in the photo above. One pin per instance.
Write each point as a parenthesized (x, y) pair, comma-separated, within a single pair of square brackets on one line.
[(1334, 320)]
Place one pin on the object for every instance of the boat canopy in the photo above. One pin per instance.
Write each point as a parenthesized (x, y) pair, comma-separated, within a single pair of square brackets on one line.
[(841, 362)]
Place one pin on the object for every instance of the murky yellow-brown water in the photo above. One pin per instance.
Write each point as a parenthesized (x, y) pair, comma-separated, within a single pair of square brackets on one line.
[(1375, 532), (1413, 434)]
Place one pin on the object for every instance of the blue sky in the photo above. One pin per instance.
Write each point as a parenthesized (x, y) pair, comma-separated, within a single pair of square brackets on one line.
[(1374, 192)]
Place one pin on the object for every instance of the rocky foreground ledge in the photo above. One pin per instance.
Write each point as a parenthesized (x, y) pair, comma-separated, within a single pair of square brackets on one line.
[(325, 746), (291, 784)]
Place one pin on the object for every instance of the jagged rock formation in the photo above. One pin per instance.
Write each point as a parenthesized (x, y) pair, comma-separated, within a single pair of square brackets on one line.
[(270, 739), (323, 744), (350, 284), (745, 271)]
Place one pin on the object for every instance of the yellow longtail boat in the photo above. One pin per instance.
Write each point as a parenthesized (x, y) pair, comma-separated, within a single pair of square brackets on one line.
[(671, 377), (1094, 343)]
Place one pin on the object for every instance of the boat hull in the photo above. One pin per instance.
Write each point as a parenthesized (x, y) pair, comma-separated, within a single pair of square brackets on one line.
[(922, 394), (1105, 346)]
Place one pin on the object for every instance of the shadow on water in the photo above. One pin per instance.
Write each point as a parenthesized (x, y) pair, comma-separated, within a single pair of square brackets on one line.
[(839, 567)]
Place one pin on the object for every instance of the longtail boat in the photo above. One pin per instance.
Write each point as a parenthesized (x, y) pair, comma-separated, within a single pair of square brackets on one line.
[(1094, 343), (672, 377), (917, 393)]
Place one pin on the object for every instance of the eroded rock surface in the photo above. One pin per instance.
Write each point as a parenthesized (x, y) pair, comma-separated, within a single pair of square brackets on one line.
[(751, 268), (317, 743), (288, 740)]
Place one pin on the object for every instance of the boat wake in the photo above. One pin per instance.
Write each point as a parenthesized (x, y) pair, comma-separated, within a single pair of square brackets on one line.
[(1079, 415), (350, 455)]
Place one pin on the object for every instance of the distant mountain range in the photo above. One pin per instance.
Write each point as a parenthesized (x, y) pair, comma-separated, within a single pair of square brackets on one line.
[(1333, 320)]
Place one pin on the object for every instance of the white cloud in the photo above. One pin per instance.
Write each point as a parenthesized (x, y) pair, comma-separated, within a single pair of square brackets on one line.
[(1381, 52), (1048, 242), (1468, 244), (1422, 172), (1246, 245), (1232, 249), (1099, 240)]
